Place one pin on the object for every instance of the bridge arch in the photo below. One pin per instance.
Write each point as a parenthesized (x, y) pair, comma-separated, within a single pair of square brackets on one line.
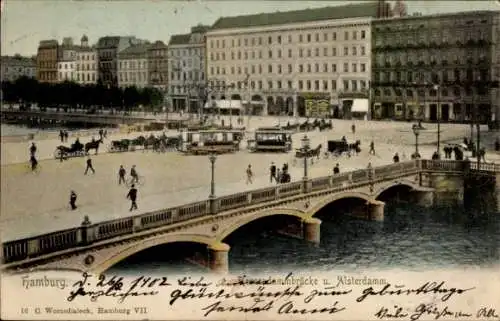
[(249, 219), (394, 186), (110, 261), (335, 197)]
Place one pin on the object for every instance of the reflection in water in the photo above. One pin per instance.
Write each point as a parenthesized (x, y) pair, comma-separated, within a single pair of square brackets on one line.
[(410, 238)]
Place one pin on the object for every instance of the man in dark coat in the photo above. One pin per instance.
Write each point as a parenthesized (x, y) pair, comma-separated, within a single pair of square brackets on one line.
[(132, 195), (72, 200)]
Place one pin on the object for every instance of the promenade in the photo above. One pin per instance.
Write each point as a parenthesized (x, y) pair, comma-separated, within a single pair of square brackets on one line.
[(38, 203)]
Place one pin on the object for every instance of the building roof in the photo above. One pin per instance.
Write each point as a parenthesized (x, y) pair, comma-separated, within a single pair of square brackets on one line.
[(179, 39), (439, 16), (134, 51), (367, 9), (158, 45), (18, 60)]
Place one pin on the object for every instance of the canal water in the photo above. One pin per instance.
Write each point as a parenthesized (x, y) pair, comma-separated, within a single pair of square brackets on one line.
[(409, 238)]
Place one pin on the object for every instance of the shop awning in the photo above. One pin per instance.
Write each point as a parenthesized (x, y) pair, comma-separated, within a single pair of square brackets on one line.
[(359, 106), (224, 104)]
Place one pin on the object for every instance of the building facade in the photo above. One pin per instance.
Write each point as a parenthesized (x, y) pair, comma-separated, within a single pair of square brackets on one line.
[(186, 65), (284, 61), (133, 66), (445, 66), (107, 50), (17, 66), (86, 69), (157, 56), (46, 61)]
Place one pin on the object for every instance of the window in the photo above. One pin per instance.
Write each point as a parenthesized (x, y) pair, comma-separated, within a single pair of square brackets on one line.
[(300, 38), (334, 51), (317, 37), (334, 36), (260, 84), (308, 67), (301, 68), (346, 85), (363, 51), (270, 41), (308, 83), (346, 51), (334, 67), (316, 67), (325, 37), (354, 67), (308, 52), (260, 40), (309, 38), (354, 85), (246, 55), (279, 69), (363, 34), (289, 38), (316, 85), (253, 69), (279, 39), (270, 69), (278, 83), (301, 52), (362, 84), (289, 69), (354, 51), (354, 35), (346, 35), (290, 84), (334, 85), (270, 84), (279, 53), (363, 67), (289, 53), (246, 41), (325, 67), (346, 67), (325, 52), (301, 85), (317, 52)]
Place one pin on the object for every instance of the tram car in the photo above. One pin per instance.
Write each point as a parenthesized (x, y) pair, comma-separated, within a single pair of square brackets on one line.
[(202, 142), (271, 139)]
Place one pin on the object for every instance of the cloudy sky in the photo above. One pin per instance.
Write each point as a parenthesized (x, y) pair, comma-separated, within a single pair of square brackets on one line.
[(26, 22)]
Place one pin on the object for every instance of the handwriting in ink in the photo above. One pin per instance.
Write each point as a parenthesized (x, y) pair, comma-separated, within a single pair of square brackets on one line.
[(288, 308), (437, 312), (385, 313), (259, 305), (328, 291), (428, 287), (186, 281), (204, 293), (114, 287), (486, 313)]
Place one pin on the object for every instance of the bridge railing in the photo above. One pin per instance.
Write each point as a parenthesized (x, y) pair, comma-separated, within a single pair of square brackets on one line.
[(81, 236)]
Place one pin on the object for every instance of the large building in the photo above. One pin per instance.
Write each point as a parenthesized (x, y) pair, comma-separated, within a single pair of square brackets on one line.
[(107, 49), (186, 56), (158, 65), (133, 66), (17, 66), (425, 67), (306, 61), (86, 63), (46, 61), (66, 62)]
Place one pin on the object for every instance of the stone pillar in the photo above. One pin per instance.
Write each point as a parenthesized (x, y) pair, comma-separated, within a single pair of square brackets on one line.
[(295, 107), (376, 210), (423, 198), (306, 185), (312, 231), (218, 260)]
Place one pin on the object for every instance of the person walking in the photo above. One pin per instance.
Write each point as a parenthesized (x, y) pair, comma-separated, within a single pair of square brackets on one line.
[(272, 172), (395, 159), (61, 135), (336, 169), (121, 175), (72, 200), (249, 175), (66, 136), (372, 148), (353, 129), (34, 163), (33, 150), (89, 166), (132, 195), (134, 175)]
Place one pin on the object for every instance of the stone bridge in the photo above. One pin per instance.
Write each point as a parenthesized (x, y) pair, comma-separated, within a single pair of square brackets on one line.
[(98, 247)]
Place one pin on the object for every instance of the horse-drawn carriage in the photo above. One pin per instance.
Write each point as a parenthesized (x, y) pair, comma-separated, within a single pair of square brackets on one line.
[(271, 139), (156, 144), (203, 142), (77, 149), (301, 153), (338, 147)]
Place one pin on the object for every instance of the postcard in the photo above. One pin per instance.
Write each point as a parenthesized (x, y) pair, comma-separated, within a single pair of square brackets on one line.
[(250, 160)]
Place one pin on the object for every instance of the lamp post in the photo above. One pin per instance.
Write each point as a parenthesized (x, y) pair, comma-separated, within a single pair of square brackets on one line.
[(211, 197), (416, 132), (438, 116), (305, 149)]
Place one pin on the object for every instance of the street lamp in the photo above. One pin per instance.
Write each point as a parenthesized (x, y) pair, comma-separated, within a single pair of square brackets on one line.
[(416, 132), (438, 116), (212, 158), (305, 148)]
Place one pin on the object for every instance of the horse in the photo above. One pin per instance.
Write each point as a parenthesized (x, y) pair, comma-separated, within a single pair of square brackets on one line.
[(315, 152), (93, 145), (355, 147)]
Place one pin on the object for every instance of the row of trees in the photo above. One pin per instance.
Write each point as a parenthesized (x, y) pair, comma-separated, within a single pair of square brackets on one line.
[(26, 91)]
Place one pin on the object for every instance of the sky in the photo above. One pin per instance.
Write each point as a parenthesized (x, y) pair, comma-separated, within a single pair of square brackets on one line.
[(25, 22)]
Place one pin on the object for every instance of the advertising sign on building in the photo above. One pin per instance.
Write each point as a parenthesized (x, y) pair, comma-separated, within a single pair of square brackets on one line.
[(317, 105)]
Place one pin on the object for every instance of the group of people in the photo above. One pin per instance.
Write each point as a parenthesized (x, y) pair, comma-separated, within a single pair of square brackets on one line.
[(63, 135), (279, 176)]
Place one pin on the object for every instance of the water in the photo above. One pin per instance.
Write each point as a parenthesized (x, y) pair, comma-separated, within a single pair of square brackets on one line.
[(15, 130), (409, 238)]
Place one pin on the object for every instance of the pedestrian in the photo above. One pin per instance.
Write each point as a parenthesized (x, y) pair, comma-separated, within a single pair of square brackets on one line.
[(372, 148), (249, 174), (33, 149), (272, 172), (101, 133), (482, 154), (121, 175), (61, 135), (353, 129), (336, 169), (34, 163), (497, 144), (132, 195), (134, 175), (395, 159), (105, 133), (89, 166), (72, 200)]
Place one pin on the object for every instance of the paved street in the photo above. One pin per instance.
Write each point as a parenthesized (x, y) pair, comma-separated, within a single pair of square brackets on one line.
[(37, 203)]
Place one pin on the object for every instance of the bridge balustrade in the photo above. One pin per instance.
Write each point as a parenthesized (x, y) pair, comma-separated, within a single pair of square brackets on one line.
[(15, 251), (486, 167), (233, 201), (264, 195), (53, 242), (114, 228), (338, 180), (192, 211), (290, 189), (155, 219), (443, 165), (359, 176), (320, 183)]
